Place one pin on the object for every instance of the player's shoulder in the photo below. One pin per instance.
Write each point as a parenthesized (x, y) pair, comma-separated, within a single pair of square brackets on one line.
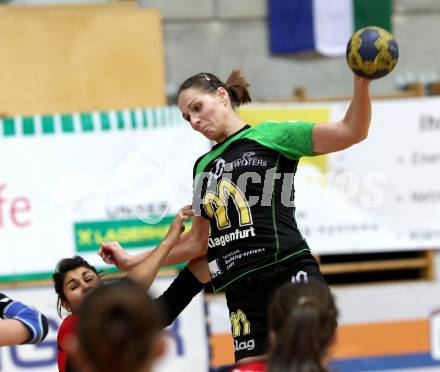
[(67, 327), (197, 162), (274, 123)]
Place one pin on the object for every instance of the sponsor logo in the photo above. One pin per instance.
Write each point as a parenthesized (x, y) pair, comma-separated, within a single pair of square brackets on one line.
[(15, 211), (145, 212), (217, 170), (220, 165), (244, 345), (214, 269), (227, 238), (131, 233), (300, 277), (246, 159)]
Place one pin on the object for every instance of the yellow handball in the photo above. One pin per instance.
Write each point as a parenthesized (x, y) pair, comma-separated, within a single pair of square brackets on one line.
[(372, 52)]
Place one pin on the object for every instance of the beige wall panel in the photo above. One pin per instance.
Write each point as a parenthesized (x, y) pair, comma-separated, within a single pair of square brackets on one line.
[(80, 58)]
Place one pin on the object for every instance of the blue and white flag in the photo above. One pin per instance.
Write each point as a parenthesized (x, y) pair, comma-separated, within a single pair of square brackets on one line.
[(324, 26)]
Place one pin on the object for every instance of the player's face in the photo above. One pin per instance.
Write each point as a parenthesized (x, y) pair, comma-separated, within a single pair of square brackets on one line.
[(77, 284), (206, 112)]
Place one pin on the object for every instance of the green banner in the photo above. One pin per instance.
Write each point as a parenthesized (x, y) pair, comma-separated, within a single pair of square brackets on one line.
[(129, 233)]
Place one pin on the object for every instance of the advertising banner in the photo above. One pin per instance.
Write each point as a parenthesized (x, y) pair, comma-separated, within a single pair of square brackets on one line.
[(187, 345), (69, 182)]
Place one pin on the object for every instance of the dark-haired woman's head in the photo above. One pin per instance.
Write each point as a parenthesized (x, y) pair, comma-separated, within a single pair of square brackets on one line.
[(302, 325), (119, 329), (73, 279), (209, 104)]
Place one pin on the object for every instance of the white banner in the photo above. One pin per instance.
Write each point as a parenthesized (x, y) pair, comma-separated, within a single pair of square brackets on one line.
[(380, 195), (187, 342), (383, 193), (70, 182)]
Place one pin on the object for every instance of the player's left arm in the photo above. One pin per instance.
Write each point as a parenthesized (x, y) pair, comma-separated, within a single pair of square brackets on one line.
[(352, 129), (182, 290)]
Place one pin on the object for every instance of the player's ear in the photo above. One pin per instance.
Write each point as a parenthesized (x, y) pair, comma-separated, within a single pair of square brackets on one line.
[(223, 95), (66, 306)]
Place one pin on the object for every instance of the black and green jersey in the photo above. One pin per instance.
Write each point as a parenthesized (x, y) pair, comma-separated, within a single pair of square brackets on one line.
[(244, 186)]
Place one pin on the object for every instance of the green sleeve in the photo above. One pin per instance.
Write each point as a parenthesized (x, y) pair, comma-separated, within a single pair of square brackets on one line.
[(291, 138)]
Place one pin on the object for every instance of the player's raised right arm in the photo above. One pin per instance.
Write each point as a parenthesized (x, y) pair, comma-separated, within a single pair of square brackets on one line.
[(352, 129)]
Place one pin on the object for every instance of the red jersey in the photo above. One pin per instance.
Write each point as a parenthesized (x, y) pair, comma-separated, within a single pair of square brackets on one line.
[(250, 367), (67, 329)]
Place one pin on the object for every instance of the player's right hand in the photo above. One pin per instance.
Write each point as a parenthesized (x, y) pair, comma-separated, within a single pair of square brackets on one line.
[(113, 253)]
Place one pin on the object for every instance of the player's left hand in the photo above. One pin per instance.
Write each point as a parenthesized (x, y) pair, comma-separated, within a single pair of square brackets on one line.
[(177, 228)]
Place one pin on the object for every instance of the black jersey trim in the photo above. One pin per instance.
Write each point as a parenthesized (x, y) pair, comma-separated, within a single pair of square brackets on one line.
[(304, 250)]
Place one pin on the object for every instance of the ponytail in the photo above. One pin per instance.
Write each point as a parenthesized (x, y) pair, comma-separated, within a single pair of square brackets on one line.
[(236, 85), (238, 89)]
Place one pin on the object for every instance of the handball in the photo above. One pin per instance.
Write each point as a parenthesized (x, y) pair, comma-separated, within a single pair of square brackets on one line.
[(372, 52)]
